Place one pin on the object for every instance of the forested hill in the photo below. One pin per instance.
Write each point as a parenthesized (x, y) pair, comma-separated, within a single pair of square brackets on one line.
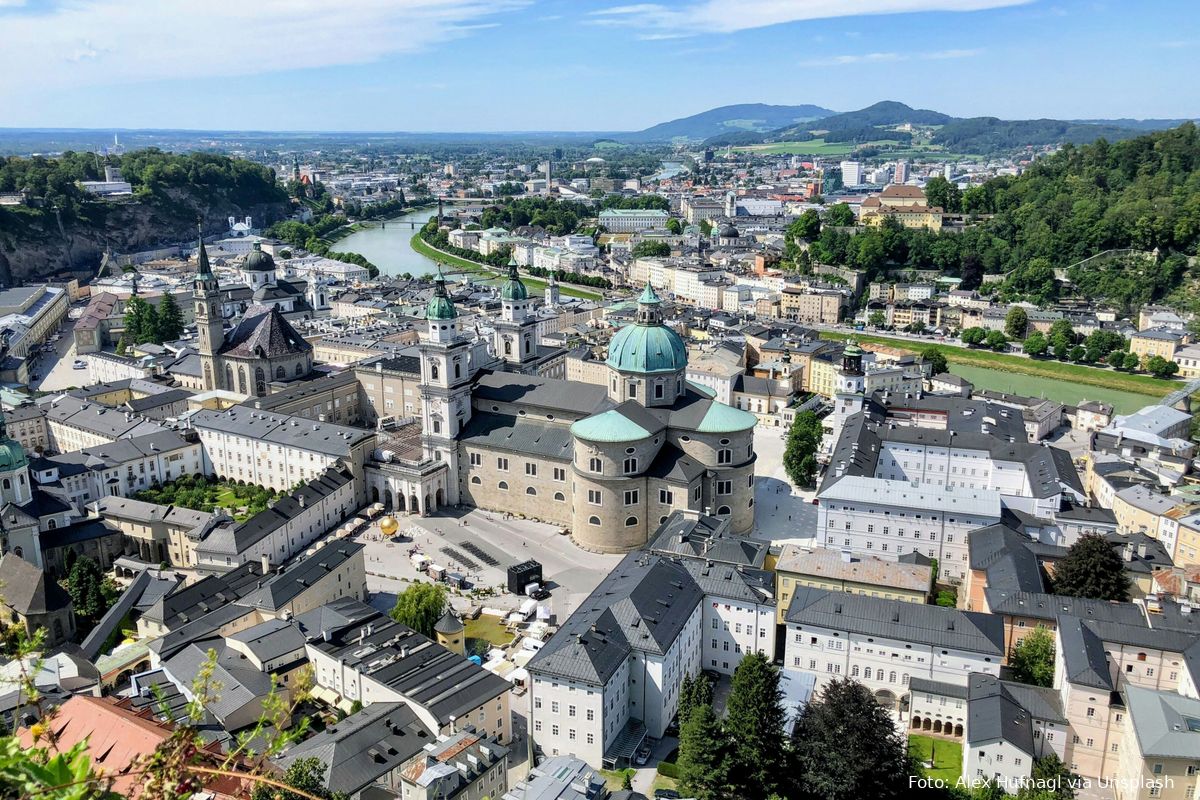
[(170, 193), (1141, 194), (727, 119)]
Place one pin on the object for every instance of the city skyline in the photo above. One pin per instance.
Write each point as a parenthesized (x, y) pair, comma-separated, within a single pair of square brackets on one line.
[(431, 65)]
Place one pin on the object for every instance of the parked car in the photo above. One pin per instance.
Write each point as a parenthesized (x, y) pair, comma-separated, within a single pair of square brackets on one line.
[(641, 756), (79, 364)]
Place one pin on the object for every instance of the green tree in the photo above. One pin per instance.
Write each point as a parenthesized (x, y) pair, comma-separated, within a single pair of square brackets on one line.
[(1116, 359), (846, 747), (973, 336), (141, 322), (1032, 658), (304, 774), (1077, 353), (675, 226), (1050, 771), (839, 215), (651, 249), (936, 359), (170, 319), (85, 586), (943, 194), (1035, 344), (755, 717), (695, 691), (1091, 569), (807, 226), (996, 340), (1132, 362), (1015, 322), (420, 606), (876, 319), (1160, 367), (704, 756), (800, 452)]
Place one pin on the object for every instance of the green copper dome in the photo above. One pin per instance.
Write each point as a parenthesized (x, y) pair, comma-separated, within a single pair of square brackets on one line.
[(647, 345), (440, 305), (513, 289), (12, 455), (611, 426), (258, 261)]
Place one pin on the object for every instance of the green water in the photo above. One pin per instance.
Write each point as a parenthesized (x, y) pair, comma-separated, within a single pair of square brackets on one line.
[(1063, 391)]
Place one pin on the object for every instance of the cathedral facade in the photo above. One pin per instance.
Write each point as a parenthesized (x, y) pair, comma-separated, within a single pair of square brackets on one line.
[(610, 463)]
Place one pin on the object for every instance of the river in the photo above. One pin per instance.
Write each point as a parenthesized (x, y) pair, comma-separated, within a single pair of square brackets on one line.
[(1066, 392), (387, 245), (669, 170)]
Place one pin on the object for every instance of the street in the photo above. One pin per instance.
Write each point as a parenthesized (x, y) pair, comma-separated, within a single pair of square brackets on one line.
[(783, 513)]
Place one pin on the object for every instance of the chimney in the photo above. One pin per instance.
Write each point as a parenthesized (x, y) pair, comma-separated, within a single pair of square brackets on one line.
[(1127, 552), (1141, 550), (846, 556), (266, 564)]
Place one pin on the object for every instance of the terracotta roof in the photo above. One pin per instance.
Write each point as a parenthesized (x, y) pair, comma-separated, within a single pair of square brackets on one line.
[(898, 190)]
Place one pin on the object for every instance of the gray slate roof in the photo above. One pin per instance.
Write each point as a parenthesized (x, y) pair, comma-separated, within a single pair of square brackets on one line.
[(895, 619)]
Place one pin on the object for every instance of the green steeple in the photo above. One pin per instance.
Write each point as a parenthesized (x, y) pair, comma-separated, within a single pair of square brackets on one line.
[(513, 289), (440, 305), (648, 296)]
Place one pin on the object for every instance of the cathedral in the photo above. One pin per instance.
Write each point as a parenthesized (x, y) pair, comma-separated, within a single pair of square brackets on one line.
[(263, 347), (611, 462)]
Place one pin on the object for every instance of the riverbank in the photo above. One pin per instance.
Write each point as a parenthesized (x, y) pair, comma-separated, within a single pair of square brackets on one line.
[(533, 284), (1047, 369)]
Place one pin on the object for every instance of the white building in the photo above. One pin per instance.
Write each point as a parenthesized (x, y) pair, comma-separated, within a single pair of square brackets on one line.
[(611, 674), (630, 220), (852, 173), (884, 643)]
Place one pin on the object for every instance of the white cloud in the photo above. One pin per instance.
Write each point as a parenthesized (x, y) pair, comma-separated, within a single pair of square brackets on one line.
[(877, 58), (107, 42), (722, 16)]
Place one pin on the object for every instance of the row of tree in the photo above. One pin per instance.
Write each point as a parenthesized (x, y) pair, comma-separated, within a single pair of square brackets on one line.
[(146, 323)]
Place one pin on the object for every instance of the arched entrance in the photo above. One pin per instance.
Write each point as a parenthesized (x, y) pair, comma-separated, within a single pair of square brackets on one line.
[(958, 731), (440, 497), (374, 494), (429, 506), (886, 698), (414, 505), (400, 501), (916, 723)]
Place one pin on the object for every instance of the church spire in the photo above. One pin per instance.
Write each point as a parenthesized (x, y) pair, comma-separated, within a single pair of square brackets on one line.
[(204, 270)]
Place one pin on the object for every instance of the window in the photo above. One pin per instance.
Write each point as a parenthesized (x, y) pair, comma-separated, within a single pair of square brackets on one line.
[(475, 480), (502, 486), (724, 487), (723, 511), (530, 468), (560, 497), (631, 465), (666, 497), (725, 456), (502, 464), (593, 520), (631, 521), (531, 491), (632, 496), (560, 474), (476, 459), (596, 465), (594, 497)]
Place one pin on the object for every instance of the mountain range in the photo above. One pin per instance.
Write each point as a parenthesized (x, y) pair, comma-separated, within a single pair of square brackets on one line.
[(743, 118), (757, 123)]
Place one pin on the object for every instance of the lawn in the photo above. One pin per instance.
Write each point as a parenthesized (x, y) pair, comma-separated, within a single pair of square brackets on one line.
[(1039, 368), (947, 757), (487, 628), (614, 778), (204, 494), (533, 284), (663, 782)]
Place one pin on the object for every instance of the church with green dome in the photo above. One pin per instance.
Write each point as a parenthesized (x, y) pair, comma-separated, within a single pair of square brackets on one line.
[(609, 463)]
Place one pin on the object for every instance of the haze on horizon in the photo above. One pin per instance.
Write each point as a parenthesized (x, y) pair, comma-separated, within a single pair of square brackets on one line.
[(579, 65)]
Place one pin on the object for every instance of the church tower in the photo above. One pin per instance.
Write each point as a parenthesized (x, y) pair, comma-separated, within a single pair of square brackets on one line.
[(515, 330), (210, 327), (552, 291), (850, 396), (445, 383)]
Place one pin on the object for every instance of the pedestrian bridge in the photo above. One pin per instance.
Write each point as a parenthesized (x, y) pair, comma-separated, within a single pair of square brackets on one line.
[(1181, 398)]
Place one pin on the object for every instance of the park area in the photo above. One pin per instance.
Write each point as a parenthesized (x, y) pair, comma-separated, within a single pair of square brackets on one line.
[(945, 755), (200, 493)]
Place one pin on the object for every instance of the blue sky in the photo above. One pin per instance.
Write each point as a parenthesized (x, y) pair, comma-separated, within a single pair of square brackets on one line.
[(489, 65)]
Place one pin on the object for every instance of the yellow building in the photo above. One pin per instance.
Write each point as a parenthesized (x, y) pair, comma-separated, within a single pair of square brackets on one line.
[(905, 204), (812, 307), (1145, 344), (821, 377), (839, 571), (1160, 748)]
